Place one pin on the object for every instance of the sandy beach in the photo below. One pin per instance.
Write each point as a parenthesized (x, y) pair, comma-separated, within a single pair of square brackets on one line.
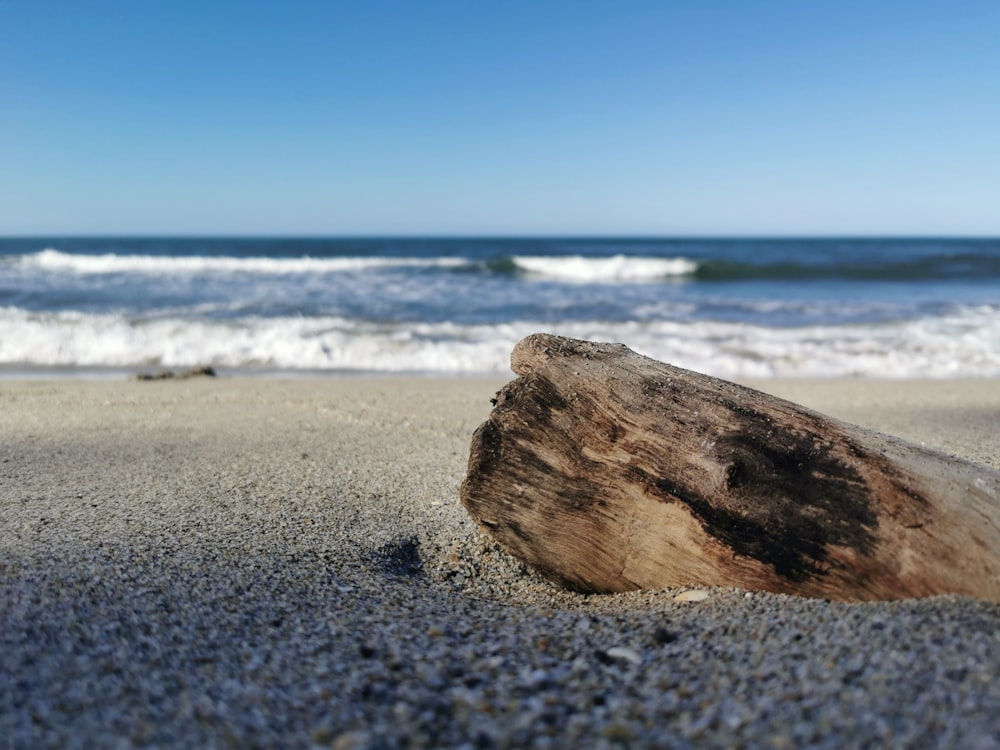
[(263, 562)]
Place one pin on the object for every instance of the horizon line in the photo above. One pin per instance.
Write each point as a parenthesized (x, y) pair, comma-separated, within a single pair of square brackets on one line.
[(498, 236)]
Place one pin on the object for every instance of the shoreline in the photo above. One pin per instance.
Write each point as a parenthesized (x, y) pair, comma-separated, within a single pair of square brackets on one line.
[(40, 372), (278, 560)]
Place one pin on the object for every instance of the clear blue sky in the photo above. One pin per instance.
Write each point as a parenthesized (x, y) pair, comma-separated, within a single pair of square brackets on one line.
[(702, 117)]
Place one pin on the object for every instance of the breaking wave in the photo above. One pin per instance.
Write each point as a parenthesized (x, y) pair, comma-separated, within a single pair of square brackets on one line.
[(615, 268), (109, 263), (958, 345)]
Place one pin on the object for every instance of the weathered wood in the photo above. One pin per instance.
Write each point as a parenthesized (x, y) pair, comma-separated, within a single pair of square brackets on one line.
[(609, 471)]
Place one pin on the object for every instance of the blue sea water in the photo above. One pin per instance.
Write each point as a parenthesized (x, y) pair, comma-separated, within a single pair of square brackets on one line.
[(728, 307)]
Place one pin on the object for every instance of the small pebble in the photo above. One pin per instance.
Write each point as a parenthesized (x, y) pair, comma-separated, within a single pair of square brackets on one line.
[(695, 595), (624, 654)]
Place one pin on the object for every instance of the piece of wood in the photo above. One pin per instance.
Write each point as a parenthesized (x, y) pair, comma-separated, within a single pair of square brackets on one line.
[(609, 471)]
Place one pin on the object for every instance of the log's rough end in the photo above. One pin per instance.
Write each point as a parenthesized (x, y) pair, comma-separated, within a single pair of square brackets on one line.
[(539, 349), (609, 471)]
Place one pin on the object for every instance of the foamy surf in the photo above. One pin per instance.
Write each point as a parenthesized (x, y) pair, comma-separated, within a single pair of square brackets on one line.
[(616, 268), (960, 345), (51, 259), (734, 308)]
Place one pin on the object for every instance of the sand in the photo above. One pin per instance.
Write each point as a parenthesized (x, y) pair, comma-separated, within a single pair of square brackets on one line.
[(242, 562)]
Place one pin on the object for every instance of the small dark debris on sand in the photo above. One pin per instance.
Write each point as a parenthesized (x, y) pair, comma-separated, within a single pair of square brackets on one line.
[(195, 372)]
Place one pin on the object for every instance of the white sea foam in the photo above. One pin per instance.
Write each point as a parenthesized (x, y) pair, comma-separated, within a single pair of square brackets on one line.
[(616, 268), (55, 260), (960, 345)]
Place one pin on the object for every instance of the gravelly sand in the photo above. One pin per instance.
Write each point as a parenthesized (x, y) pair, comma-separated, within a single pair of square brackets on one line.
[(243, 563)]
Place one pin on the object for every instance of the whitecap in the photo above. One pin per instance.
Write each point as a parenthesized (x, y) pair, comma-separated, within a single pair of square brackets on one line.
[(619, 268), (55, 260)]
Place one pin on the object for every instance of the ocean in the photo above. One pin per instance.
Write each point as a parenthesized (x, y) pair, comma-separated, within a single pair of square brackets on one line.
[(727, 307)]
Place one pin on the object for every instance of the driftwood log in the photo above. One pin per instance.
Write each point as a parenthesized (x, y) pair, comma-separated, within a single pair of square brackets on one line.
[(609, 471)]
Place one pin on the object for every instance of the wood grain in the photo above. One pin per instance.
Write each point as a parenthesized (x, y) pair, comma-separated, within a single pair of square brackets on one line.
[(609, 471)]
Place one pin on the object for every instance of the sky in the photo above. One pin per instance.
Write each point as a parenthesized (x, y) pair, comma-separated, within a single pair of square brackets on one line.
[(466, 117)]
